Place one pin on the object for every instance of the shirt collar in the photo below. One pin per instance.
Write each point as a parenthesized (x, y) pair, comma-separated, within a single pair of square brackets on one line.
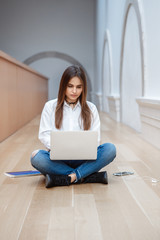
[(77, 104)]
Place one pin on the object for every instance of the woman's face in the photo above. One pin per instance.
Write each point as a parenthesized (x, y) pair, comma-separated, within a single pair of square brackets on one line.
[(74, 89)]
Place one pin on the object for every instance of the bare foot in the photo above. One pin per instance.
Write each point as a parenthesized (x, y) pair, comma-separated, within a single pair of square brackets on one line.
[(73, 177)]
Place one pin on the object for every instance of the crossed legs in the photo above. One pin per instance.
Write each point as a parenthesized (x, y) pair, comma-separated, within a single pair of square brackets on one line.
[(77, 170)]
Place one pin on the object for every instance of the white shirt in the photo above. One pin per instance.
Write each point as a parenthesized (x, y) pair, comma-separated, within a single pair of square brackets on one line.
[(71, 120)]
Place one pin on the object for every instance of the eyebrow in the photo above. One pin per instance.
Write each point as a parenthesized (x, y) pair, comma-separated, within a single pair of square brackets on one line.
[(79, 85)]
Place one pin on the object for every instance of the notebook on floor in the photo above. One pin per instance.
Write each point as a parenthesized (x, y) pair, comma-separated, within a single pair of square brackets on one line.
[(74, 145), (22, 173)]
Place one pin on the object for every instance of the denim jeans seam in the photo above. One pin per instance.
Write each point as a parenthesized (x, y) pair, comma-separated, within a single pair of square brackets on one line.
[(78, 175)]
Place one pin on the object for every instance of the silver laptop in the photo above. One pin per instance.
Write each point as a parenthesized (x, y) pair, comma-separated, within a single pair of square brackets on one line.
[(74, 145)]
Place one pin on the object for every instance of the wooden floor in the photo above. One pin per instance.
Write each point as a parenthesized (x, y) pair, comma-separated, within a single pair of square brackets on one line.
[(127, 208)]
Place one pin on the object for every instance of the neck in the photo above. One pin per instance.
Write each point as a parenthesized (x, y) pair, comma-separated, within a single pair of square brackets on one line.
[(69, 103)]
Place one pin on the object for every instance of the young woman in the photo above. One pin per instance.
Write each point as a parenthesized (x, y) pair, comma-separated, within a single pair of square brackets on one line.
[(71, 112)]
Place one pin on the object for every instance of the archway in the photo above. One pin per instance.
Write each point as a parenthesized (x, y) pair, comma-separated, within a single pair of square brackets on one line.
[(132, 71), (62, 56)]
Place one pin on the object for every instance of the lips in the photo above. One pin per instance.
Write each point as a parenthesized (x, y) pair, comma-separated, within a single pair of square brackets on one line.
[(73, 95)]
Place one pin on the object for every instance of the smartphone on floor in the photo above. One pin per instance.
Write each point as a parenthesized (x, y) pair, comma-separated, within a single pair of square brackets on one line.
[(122, 173)]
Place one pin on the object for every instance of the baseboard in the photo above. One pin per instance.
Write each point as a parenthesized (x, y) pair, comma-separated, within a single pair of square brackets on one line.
[(150, 120), (114, 107)]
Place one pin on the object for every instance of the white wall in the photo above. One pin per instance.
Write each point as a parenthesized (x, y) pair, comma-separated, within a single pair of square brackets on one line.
[(133, 38), (152, 33), (114, 24), (131, 79), (110, 18), (106, 75), (100, 28), (66, 26)]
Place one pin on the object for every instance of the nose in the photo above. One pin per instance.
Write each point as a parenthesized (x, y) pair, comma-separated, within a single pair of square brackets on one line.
[(74, 90)]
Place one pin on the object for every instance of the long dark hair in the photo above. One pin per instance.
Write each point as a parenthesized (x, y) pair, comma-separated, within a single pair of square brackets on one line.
[(69, 73)]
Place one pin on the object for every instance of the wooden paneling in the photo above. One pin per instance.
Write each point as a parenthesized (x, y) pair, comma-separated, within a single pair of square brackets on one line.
[(23, 93)]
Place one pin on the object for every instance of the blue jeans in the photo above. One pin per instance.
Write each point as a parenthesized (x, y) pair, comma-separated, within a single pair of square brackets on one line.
[(82, 168)]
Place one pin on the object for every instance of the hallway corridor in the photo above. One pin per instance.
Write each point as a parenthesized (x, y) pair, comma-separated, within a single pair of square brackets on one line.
[(127, 208)]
